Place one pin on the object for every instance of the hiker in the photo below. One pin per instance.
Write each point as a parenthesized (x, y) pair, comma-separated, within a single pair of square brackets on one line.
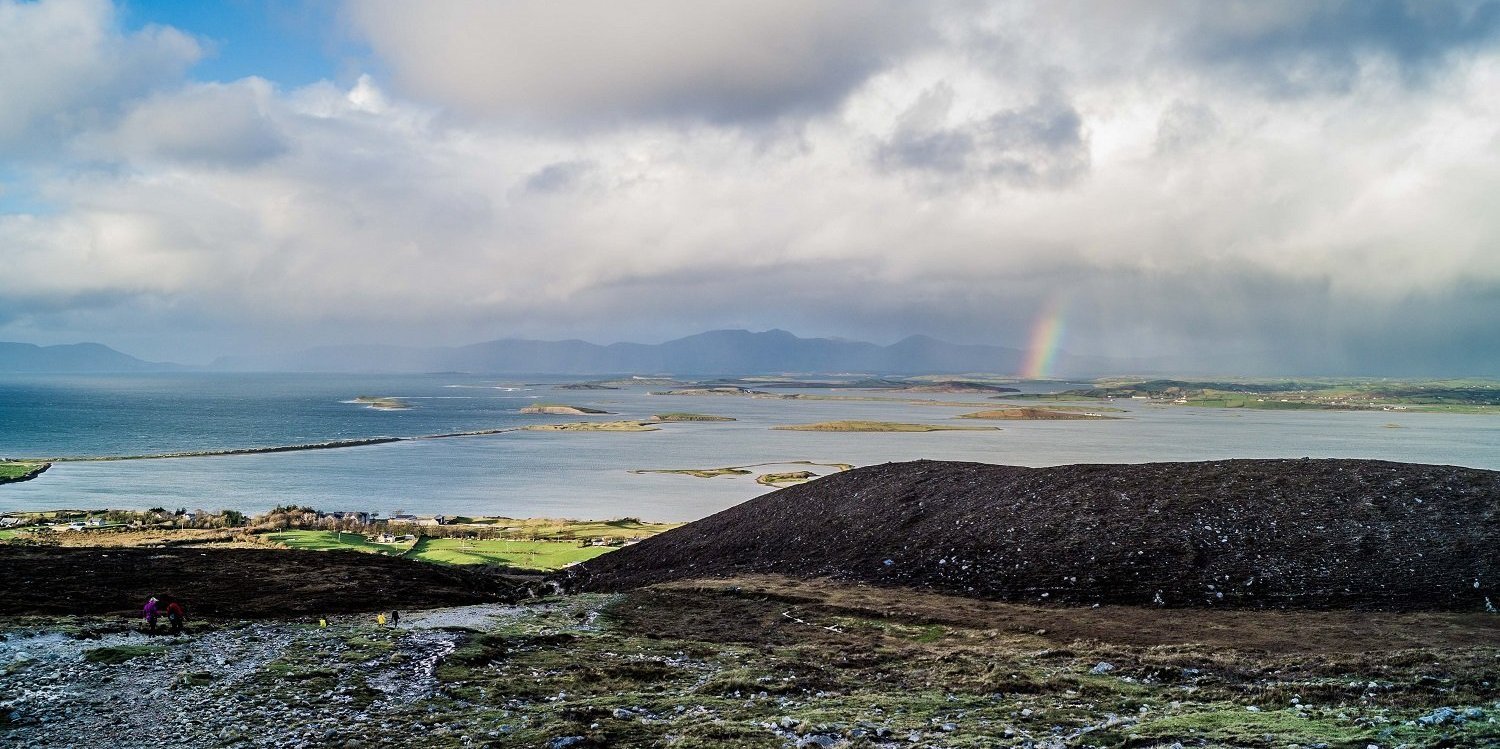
[(176, 615), (395, 617), (150, 612), (322, 622), (380, 619)]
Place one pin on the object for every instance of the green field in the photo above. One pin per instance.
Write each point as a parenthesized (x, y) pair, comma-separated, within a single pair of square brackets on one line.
[(546, 529), (331, 540), (528, 555), (15, 470), (521, 554)]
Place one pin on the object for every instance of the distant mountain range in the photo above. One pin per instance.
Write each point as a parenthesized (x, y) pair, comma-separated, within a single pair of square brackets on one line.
[(720, 352), (77, 357)]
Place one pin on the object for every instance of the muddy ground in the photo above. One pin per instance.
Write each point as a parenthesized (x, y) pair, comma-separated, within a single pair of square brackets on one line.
[(232, 583), (762, 662)]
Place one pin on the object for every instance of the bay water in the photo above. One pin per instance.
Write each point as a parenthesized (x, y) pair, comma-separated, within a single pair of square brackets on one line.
[(587, 474)]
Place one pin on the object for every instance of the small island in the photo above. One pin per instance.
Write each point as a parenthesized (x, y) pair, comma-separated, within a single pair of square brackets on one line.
[(682, 416), (957, 386), (788, 477), (708, 473), (16, 471), (878, 426), (720, 390), (584, 386), (594, 426), (1034, 414), (557, 409), (382, 402), (702, 473)]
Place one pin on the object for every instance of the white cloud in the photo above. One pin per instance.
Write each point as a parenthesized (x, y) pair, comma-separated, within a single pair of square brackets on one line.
[(213, 124), (65, 67), (597, 60), (952, 189)]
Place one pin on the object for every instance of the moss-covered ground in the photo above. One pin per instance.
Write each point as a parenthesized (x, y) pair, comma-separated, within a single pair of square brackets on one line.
[(769, 662)]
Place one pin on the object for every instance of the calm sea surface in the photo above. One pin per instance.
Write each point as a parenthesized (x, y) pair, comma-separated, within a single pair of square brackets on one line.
[(583, 475)]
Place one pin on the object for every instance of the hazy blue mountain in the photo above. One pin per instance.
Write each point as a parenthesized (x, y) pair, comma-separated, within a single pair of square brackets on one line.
[(713, 353), (77, 357)]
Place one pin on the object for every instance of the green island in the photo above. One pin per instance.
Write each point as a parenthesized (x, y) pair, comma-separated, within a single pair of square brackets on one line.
[(382, 402), (13, 471), (594, 426), (682, 416), (708, 473), (878, 426), (785, 477), (1419, 396), (743, 392), (1034, 414), (559, 409)]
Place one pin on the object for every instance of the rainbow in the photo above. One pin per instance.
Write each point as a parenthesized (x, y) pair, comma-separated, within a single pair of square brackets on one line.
[(1046, 333)]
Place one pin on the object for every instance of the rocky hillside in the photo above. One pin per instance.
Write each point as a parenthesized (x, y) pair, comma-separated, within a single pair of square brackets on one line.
[(1245, 533)]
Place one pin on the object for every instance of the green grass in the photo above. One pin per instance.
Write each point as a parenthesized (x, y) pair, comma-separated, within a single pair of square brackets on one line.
[(877, 426), (331, 540), (530, 555), (16, 469)]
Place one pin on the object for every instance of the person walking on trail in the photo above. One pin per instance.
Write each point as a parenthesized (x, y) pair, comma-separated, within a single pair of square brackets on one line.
[(176, 615), (150, 612), (395, 617)]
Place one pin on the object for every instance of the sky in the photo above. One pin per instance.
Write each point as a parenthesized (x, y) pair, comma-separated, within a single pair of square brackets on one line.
[(1262, 187)]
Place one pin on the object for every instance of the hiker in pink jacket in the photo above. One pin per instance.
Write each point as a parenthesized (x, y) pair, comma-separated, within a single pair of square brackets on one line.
[(150, 612)]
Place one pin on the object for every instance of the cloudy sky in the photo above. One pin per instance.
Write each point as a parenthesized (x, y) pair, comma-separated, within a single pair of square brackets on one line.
[(1288, 187)]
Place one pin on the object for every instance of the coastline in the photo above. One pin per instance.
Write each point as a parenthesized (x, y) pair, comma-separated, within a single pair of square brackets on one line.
[(40, 468)]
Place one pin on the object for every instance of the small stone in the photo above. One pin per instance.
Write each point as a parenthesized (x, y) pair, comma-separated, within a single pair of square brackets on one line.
[(1102, 667)]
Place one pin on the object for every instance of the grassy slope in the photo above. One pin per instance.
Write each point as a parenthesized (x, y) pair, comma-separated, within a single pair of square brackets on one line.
[(529, 555), (567, 530), (331, 540), (522, 554)]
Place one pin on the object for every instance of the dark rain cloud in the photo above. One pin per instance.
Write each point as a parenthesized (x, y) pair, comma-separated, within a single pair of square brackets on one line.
[(1041, 145)]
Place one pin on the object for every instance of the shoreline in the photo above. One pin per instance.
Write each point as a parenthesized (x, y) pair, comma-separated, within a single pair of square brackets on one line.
[(39, 469)]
